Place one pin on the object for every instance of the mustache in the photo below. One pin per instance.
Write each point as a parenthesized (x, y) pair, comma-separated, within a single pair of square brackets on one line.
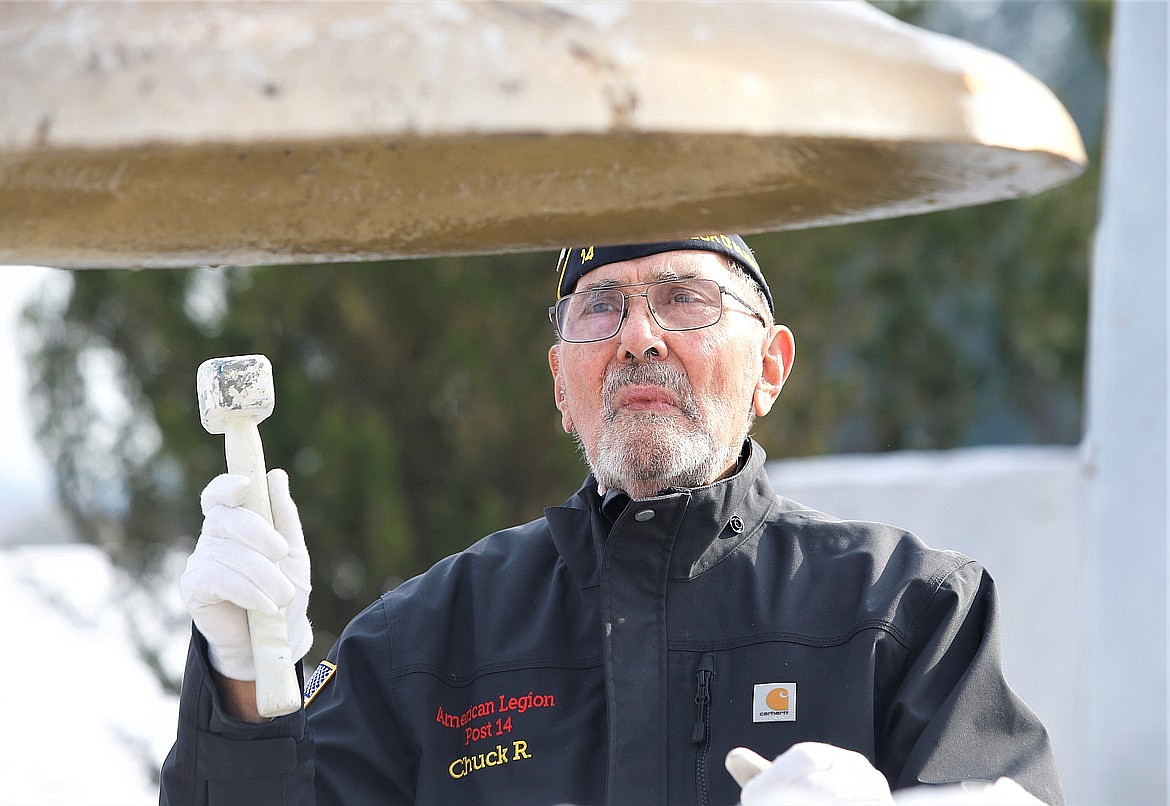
[(652, 373)]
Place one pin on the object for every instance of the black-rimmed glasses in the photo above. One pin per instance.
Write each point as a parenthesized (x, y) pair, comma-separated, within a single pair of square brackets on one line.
[(683, 304)]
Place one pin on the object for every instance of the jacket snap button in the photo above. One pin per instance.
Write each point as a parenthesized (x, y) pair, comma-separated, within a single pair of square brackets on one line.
[(736, 524), (644, 515)]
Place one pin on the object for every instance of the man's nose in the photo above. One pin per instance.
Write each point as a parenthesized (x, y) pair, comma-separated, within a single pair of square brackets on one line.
[(640, 333)]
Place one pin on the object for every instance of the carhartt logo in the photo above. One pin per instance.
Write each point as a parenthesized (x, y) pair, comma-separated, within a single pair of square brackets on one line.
[(774, 702)]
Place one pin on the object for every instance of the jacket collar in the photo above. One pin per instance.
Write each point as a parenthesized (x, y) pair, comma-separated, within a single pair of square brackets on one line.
[(716, 519)]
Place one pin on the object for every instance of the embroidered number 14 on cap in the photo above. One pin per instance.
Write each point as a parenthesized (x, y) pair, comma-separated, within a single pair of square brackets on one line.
[(774, 702)]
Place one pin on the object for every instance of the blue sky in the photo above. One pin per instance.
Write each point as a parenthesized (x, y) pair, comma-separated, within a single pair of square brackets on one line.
[(25, 476)]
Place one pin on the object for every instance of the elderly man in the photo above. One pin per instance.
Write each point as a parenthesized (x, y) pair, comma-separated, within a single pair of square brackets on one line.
[(615, 650)]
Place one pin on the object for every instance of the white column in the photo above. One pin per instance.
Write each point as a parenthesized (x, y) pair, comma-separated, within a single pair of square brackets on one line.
[(1123, 754)]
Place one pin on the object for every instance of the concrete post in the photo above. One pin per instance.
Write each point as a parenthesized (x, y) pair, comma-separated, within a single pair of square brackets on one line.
[(1123, 701)]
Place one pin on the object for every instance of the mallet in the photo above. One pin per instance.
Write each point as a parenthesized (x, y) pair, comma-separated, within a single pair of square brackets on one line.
[(235, 394)]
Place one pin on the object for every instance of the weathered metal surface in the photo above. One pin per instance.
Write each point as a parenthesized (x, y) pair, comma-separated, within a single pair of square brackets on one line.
[(179, 134)]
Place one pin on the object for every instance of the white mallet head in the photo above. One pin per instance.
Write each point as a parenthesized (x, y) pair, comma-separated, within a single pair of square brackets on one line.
[(234, 388)]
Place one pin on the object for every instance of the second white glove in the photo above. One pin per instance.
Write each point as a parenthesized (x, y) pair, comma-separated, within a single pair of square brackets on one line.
[(242, 563), (811, 773), (815, 773)]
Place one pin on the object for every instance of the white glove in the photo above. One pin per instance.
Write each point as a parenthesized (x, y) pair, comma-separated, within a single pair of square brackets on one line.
[(815, 773), (242, 563), (1004, 792)]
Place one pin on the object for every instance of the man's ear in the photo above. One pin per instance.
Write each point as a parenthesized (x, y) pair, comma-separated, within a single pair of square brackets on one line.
[(778, 354), (554, 364)]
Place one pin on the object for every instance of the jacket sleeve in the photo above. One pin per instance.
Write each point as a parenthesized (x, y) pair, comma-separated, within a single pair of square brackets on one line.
[(362, 753), (217, 759), (953, 716)]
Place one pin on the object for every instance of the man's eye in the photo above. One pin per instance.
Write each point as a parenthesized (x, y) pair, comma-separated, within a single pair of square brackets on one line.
[(684, 295), (598, 305)]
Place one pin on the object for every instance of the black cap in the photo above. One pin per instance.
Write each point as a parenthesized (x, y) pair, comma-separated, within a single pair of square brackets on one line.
[(577, 261)]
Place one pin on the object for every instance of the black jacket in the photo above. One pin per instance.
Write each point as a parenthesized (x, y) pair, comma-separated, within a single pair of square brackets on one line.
[(565, 661)]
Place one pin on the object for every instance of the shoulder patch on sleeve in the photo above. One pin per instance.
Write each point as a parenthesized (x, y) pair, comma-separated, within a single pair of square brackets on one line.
[(313, 686)]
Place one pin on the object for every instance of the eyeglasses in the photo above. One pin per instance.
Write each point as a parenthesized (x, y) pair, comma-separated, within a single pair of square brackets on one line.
[(684, 304)]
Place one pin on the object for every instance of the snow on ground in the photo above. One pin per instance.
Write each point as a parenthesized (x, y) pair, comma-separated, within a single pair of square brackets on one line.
[(86, 721)]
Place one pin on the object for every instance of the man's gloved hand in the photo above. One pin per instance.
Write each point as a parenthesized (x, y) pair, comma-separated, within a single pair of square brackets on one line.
[(815, 773), (242, 563), (1004, 792)]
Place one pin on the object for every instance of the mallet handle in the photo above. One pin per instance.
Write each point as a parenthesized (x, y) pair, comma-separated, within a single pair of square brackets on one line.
[(277, 689)]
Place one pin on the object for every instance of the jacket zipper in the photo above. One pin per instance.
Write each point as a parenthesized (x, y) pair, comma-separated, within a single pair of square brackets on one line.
[(700, 735)]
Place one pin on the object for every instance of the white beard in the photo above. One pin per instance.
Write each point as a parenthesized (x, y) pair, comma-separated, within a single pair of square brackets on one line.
[(643, 453), (647, 453)]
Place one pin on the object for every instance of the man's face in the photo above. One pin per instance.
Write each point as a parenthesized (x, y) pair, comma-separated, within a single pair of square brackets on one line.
[(654, 408)]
